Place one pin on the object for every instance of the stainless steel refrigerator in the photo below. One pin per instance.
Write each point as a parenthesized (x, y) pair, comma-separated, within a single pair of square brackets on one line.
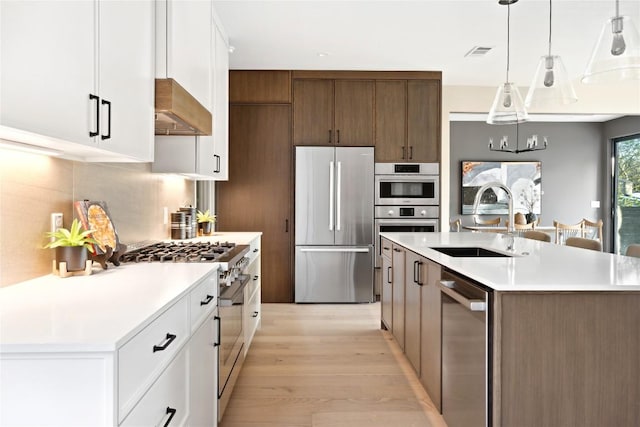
[(334, 224)]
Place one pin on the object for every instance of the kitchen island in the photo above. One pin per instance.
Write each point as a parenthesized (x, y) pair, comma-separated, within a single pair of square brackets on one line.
[(562, 341)]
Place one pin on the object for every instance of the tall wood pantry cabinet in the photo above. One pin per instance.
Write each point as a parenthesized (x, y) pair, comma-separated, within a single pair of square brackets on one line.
[(258, 195)]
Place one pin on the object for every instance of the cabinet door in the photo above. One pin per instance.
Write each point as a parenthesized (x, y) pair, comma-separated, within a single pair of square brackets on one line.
[(386, 297), (313, 112), (430, 337), (398, 295), (221, 107), (260, 181), (188, 47), (126, 77), (414, 280), (47, 74), (203, 375), (423, 120), (354, 112), (391, 121)]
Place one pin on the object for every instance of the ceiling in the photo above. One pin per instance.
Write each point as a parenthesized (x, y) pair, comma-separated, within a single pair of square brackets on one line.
[(415, 35)]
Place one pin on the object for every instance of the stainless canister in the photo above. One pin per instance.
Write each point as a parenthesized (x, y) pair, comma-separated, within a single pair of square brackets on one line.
[(178, 225), (191, 221)]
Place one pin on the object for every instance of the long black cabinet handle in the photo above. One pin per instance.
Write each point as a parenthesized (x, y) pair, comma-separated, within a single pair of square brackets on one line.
[(338, 136), (108, 135), (397, 250), (217, 169), (169, 340), (403, 152), (171, 412), (255, 314), (256, 250), (207, 300), (286, 225), (255, 277), (217, 343), (329, 136), (416, 272), (388, 274), (97, 131)]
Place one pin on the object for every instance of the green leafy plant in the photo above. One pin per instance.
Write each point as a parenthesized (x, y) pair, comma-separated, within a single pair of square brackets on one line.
[(205, 217), (72, 237)]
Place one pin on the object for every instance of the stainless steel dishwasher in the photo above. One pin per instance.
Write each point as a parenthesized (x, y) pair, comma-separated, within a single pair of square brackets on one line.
[(466, 352)]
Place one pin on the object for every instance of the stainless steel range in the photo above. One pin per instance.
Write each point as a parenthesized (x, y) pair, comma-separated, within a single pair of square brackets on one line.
[(232, 281)]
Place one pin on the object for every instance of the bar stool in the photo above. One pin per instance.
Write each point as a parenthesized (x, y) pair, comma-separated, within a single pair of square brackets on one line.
[(479, 221), (581, 242), (564, 231)]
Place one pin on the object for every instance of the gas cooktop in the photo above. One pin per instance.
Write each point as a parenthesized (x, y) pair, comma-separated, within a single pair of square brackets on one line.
[(186, 252)]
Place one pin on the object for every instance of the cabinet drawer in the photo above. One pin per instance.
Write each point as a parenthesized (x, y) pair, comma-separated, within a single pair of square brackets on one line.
[(386, 248), (203, 298), (254, 250), (167, 395), (254, 282), (142, 358)]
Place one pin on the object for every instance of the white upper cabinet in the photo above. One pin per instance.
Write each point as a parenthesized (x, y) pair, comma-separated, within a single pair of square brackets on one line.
[(221, 105), (77, 77), (183, 45), (187, 51)]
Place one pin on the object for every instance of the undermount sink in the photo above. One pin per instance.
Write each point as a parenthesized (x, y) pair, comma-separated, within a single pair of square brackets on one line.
[(467, 251)]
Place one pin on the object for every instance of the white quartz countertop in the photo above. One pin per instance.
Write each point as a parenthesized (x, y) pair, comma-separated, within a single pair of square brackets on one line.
[(534, 266), (98, 312)]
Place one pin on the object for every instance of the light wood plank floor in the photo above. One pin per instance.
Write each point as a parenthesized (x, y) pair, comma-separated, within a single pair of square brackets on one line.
[(327, 366)]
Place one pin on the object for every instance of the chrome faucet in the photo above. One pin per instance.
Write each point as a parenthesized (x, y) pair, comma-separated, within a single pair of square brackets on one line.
[(485, 187)]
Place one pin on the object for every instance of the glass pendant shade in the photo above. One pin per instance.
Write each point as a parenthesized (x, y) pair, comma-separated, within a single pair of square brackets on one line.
[(616, 55), (508, 106), (550, 84)]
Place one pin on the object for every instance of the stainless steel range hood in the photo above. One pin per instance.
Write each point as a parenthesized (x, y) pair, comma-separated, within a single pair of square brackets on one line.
[(178, 112)]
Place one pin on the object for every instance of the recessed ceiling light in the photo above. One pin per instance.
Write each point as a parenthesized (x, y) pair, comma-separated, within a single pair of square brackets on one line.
[(322, 54), (231, 49)]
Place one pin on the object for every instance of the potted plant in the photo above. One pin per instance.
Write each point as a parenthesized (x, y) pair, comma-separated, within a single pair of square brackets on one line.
[(529, 198), (71, 246), (205, 222)]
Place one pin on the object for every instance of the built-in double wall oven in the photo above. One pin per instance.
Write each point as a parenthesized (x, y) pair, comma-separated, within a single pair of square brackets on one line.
[(407, 199)]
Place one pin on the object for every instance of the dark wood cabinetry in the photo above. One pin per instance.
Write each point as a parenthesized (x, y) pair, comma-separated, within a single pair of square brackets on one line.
[(260, 87), (408, 121), (257, 196), (333, 112)]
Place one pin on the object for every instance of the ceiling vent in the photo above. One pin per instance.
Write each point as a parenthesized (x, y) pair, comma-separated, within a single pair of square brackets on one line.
[(477, 51)]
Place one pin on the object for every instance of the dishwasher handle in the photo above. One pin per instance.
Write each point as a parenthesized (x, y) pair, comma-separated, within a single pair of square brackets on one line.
[(448, 287)]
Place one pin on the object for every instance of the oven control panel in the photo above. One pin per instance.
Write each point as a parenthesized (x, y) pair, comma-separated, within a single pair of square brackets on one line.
[(406, 212)]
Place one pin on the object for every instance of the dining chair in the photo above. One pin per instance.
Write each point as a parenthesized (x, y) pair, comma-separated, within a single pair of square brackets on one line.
[(455, 224), (520, 229), (633, 250), (564, 231), (592, 230), (519, 218), (581, 242), (536, 235), (479, 221)]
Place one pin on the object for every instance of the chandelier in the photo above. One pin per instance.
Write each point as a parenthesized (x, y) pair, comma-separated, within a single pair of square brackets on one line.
[(532, 144)]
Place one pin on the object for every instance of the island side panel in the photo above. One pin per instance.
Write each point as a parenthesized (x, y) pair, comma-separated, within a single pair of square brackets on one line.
[(570, 358)]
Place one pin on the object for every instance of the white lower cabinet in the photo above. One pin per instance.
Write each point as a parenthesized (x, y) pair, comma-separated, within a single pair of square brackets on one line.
[(203, 374), (165, 404), (252, 313)]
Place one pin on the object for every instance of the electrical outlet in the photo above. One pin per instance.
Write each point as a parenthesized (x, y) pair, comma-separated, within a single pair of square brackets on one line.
[(56, 222), (165, 215), (595, 203)]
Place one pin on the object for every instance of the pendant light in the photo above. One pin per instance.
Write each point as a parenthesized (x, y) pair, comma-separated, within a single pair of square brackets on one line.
[(507, 107), (550, 84), (616, 55)]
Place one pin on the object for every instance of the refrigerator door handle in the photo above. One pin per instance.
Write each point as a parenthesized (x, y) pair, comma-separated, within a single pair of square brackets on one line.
[(334, 249), (338, 193), (331, 198)]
